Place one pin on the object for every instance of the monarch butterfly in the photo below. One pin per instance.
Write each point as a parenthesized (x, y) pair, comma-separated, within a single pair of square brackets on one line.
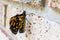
[(18, 23)]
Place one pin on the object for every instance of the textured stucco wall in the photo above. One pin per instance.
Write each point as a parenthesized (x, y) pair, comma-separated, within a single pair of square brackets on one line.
[(1, 14), (41, 26), (38, 27)]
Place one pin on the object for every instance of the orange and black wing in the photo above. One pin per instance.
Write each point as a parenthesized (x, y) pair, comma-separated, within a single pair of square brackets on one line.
[(22, 22), (18, 23), (14, 25)]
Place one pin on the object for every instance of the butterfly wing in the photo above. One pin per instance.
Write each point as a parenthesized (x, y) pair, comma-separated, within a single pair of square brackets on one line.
[(23, 22), (13, 25), (18, 22)]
